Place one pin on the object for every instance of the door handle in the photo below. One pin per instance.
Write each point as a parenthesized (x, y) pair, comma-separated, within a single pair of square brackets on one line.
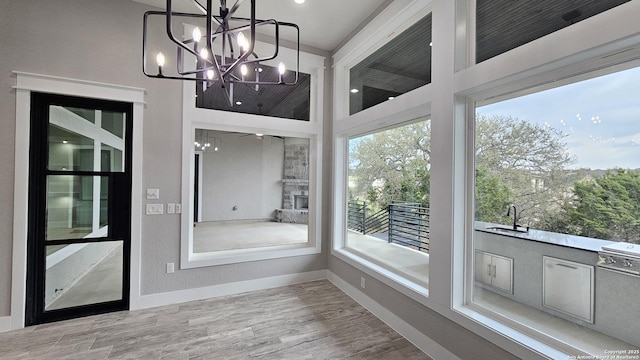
[(567, 266)]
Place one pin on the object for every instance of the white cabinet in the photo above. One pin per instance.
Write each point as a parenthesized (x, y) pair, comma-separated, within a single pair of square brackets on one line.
[(568, 287), (494, 270)]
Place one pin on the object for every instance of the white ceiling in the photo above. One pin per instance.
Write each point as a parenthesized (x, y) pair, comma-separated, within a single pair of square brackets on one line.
[(323, 23)]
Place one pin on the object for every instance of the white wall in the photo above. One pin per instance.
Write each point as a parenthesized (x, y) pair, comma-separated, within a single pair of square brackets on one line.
[(245, 173)]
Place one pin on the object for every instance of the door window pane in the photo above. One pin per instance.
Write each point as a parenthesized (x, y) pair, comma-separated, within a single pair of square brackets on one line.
[(69, 151), (113, 122), (74, 209), (111, 159), (87, 114), (78, 145), (82, 274)]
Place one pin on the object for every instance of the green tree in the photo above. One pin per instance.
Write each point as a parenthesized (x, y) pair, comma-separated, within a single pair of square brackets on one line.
[(393, 165), (607, 207), (529, 159), (492, 197), (518, 162)]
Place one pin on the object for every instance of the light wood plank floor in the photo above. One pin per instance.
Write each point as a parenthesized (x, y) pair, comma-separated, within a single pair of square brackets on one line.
[(313, 320)]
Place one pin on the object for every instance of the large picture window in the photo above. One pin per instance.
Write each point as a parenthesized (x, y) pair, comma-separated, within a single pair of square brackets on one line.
[(557, 177), (388, 199)]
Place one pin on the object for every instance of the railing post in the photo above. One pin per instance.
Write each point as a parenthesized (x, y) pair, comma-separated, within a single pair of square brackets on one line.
[(364, 218), (390, 235)]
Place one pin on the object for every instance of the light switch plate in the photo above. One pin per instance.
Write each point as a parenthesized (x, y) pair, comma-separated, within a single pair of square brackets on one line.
[(153, 194), (155, 209), (171, 208)]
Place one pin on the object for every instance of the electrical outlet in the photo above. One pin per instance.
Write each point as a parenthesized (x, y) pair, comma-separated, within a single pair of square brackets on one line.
[(178, 208), (170, 268), (171, 208), (362, 282)]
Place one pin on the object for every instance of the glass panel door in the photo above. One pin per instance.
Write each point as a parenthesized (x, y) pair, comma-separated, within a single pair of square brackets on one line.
[(80, 201)]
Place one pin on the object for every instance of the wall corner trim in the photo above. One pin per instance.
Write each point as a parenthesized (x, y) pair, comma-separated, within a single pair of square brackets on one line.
[(422, 342), (181, 296)]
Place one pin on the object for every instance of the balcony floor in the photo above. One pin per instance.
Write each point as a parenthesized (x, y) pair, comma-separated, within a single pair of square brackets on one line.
[(412, 264)]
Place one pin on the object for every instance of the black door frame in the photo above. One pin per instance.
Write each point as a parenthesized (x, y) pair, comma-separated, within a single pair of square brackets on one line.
[(119, 208)]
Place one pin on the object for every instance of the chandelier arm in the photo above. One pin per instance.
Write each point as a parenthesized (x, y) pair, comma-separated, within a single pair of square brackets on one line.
[(199, 6), (234, 8), (171, 37), (252, 42)]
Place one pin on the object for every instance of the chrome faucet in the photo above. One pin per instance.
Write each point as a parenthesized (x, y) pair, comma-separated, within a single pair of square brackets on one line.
[(515, 216)]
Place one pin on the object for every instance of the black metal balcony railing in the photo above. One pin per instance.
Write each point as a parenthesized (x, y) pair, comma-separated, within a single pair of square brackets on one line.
[(356, 215), (409, 225), (405, 224)]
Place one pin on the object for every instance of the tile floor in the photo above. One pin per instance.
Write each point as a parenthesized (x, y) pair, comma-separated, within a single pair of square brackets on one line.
[(312, 320)]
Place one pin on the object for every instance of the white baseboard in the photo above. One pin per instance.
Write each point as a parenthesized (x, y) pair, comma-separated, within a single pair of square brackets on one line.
[(5, 323), (422, 342), (180, 296)]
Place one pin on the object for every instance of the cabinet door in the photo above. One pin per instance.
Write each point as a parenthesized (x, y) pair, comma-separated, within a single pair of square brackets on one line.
[(568, 287), (502, 271), (484, 269)]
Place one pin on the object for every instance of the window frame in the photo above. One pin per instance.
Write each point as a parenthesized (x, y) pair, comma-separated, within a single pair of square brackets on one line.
[(193, 117), (492, 81), (405, 108)]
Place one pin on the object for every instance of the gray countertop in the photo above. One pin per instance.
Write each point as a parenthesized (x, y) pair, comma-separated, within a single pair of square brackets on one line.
[(571, 241)]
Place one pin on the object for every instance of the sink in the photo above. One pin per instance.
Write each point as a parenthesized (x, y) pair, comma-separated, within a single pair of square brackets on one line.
[(509, 230)]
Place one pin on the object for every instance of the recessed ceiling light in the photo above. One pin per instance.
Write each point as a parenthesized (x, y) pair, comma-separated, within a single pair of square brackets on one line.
[(238, 102), (354, 91), (65, 141), (299, 1), (391, 97)]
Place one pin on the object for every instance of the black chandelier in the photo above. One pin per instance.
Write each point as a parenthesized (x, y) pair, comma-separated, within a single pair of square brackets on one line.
[(223, 54)]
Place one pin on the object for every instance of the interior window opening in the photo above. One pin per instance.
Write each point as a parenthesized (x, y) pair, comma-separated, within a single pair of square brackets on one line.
[(251, 191)]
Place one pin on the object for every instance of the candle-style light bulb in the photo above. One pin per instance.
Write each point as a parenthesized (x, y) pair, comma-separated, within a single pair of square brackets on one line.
[(243, 70), (243, 44), (210, 74), (160, 61), (281, 70), (204, 53), (197, 34)]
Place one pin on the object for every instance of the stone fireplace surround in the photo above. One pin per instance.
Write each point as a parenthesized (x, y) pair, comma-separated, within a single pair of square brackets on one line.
[(295, 185)]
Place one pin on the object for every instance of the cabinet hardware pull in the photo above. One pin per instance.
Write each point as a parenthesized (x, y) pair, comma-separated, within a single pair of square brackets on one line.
[(494, 271), (567, 266), (489, 269)]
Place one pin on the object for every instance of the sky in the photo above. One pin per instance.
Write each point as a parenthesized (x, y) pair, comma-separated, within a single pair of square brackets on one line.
[(600, 116)]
